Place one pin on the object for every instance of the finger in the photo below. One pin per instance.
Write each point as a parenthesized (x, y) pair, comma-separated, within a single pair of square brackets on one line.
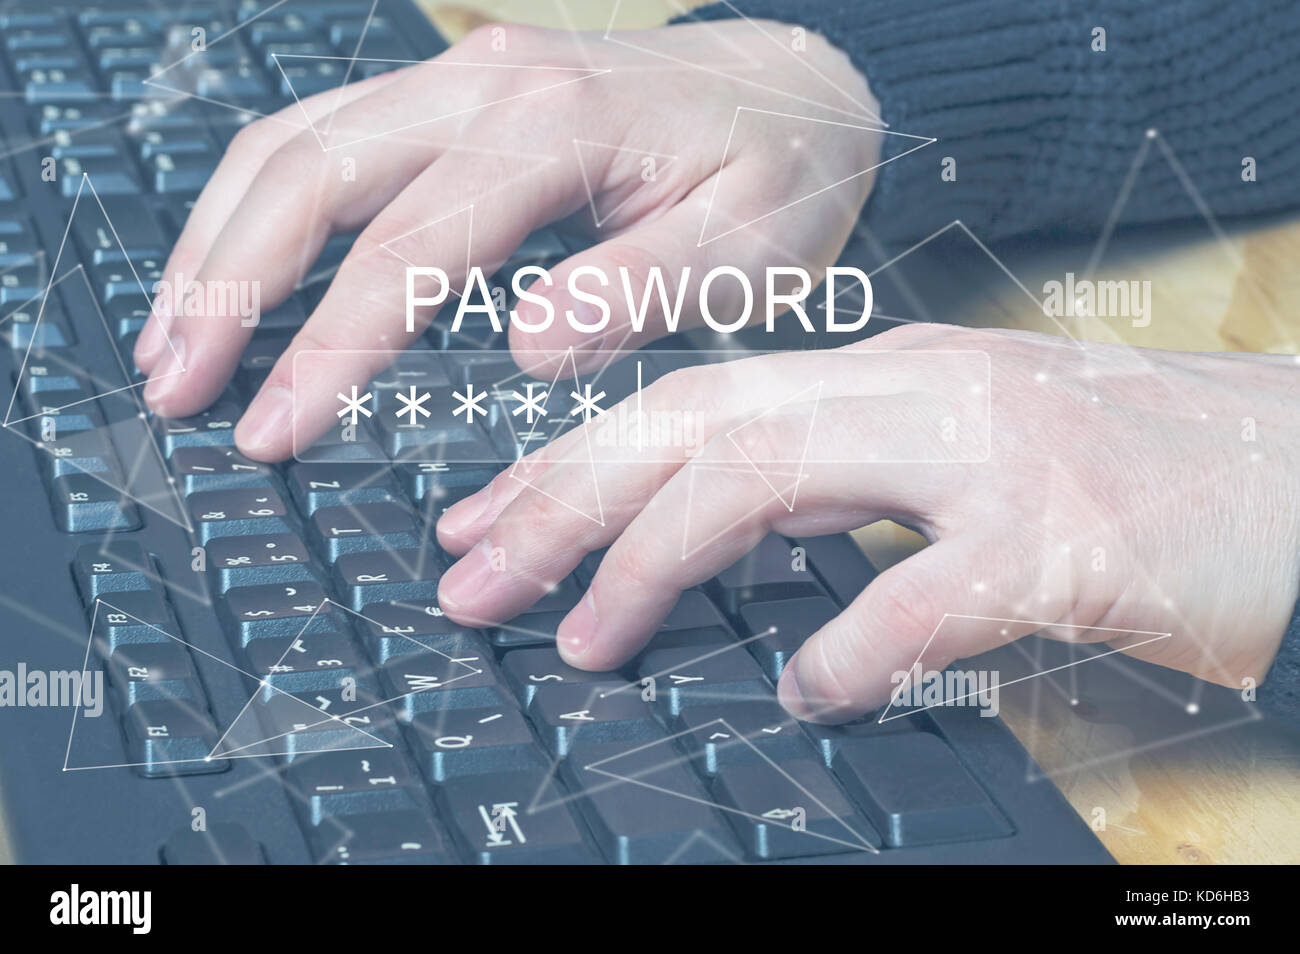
[(251, 147), (609, 477), (655, 275), (717, 508), (366, 305), (934, 607), (569, 498), (297, 200)]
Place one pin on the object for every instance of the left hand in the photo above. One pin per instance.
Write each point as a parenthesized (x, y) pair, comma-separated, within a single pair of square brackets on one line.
[(1124, 489)]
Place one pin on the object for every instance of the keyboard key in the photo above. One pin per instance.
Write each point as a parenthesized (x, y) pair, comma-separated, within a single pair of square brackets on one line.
[(116, 280), (255, 560), (144, 671), (170, 737), (829, 738), (700, 640), (131, 617), (915, 791), (840, 564), (682, 678), (348, 783), (768, 572), (180, 172), (86, 452), (436, 487), (222, 843), (512, 818), (692, 611), (296, 664), (315, 720), (278, 609), (225, 513), (129, 231), (331, 485), (661, 816), (210, 468), (401, 575), (110, 175), (83, 504), (610, 711), (791, 623), (112, 566), (213, 428), (392, 629), (740, 733), (17, 249), (432, 681), (364, 528), (405, 837), (527, 670), (475, 741), (536, 626), (790, 813)]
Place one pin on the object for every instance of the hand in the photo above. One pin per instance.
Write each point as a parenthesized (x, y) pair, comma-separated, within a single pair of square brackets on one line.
[(1123, 489), (280, 192)]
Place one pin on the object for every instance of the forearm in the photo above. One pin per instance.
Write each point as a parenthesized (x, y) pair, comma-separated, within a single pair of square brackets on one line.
[(1043, 129)]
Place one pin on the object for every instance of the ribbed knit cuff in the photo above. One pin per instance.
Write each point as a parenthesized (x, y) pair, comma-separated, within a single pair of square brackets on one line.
[(1043, 128), (1279, 695)]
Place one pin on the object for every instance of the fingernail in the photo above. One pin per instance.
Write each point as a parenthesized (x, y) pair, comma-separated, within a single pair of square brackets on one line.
[(789, 694), (465, 513), (267, 418), (153, 339), (578, 629), (166, 376), (465, 581)]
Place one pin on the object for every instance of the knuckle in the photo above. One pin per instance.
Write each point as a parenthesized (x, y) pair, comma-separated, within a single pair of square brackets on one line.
[(912, 334), (258, 138), (287, 164), (330, 337), (627, 562), (683, 388), (902, 608), (496, 36)]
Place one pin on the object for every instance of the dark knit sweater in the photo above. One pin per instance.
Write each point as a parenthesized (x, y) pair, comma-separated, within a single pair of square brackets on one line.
[(1045, 130)]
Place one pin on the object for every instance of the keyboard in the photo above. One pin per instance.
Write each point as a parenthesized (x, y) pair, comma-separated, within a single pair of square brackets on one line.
[(278, 682)]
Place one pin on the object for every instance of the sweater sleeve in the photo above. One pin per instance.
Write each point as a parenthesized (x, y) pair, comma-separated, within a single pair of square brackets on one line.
[(1044, 128), (1279, 695)]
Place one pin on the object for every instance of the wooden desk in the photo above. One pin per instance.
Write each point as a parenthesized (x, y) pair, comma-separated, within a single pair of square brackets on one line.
[(1229, 796)]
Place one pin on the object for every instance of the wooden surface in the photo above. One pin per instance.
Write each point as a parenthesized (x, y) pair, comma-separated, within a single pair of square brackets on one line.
[(1229, 795)]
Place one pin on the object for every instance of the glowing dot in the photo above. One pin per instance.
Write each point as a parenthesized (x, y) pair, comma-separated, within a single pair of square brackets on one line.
[(1040, 377), (1152, 133), (1193, 708)]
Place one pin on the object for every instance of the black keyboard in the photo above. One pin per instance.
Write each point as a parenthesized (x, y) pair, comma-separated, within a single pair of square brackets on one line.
[(280, 683)]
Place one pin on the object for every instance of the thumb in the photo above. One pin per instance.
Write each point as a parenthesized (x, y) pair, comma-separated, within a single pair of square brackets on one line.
[(931, 609)]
